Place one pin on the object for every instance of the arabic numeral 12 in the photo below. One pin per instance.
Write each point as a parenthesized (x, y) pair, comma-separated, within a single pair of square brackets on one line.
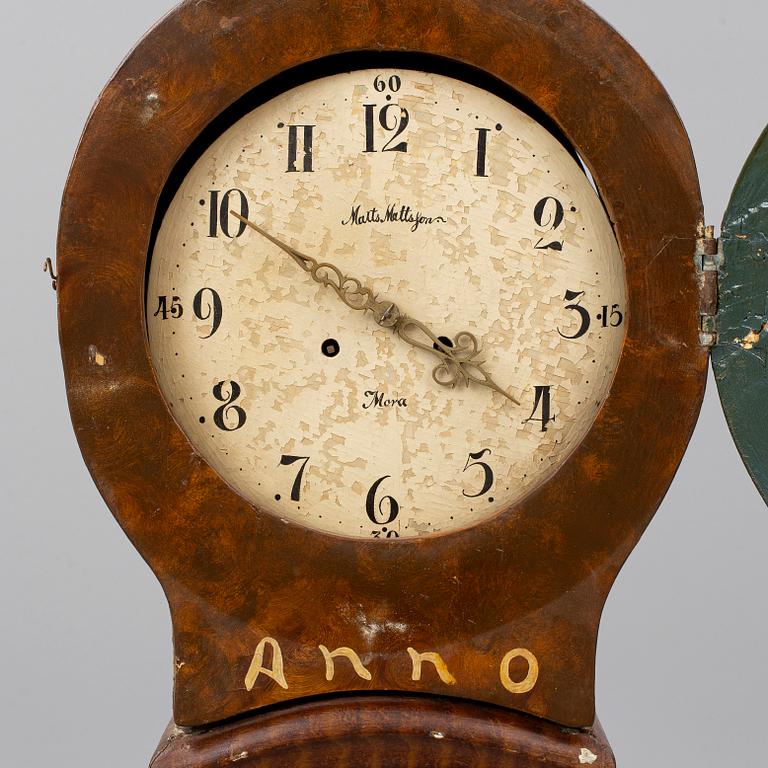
[(392, 118)]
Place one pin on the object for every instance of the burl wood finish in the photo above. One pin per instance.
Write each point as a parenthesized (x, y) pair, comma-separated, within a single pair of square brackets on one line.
[(398, 732), (535, 577)]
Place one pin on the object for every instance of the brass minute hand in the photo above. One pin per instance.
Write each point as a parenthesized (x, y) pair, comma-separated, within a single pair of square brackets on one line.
[(458, 364)]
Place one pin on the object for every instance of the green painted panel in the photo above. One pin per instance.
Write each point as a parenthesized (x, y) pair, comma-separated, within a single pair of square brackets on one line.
[(740, 358)]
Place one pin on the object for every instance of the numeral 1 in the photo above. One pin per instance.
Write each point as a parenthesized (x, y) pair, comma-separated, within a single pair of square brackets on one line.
[(482, 151), (306, 148)]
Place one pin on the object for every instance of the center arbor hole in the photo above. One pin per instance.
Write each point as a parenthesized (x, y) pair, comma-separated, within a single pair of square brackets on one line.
[(331, 348), (445, 341)]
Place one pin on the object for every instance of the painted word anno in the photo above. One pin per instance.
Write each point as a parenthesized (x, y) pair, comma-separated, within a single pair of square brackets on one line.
[(276, 669)]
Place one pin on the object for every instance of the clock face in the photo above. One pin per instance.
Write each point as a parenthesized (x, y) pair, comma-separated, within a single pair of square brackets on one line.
[(442, 199)]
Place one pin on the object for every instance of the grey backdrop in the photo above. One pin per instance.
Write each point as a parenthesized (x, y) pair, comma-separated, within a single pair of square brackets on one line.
[(85, 653)]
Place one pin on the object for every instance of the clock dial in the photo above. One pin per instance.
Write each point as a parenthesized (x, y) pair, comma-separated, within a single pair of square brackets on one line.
[(443, 200)]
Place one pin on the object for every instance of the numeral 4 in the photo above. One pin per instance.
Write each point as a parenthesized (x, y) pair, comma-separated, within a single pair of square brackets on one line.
[(542, 406)]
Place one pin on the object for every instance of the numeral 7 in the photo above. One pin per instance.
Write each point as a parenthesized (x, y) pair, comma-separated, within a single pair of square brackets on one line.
[(287, 461)]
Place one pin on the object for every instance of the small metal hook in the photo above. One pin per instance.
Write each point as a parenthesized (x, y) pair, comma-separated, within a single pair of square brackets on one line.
[(48, 267)]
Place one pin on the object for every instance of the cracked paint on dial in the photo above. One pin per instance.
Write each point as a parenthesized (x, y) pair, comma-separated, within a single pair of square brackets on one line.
[(455, 250)]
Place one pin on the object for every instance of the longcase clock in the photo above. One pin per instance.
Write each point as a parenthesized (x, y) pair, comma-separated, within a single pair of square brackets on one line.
[(385, 328)]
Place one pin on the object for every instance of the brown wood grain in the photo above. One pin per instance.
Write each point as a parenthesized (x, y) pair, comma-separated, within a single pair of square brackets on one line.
[(535, 577), (398, 732)]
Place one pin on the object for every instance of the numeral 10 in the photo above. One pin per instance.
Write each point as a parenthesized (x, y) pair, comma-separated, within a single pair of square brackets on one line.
[(219, 207)]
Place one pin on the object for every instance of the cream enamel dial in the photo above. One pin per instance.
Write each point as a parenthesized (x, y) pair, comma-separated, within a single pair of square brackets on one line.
[(442, 199)]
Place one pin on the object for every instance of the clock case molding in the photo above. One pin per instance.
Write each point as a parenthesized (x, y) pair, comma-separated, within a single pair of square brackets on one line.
[(536, 576)]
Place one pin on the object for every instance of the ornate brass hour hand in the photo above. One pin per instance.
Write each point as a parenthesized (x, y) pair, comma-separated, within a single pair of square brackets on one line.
[(459, 363)]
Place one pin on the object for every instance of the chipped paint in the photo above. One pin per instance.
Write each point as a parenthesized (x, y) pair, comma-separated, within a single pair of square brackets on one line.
[(151, 105), (587, 757), (371, 628), (95, 357), (752, 339), (227, 24)]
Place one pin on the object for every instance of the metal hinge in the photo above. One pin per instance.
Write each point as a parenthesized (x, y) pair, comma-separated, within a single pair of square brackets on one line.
[(48, 267), (709, 259)]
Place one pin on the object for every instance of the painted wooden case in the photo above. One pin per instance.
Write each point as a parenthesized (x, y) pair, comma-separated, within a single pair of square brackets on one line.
[(740, 357), (245, 589)]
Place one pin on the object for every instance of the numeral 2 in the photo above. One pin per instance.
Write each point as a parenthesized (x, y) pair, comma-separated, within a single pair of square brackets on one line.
[(549, 214)]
